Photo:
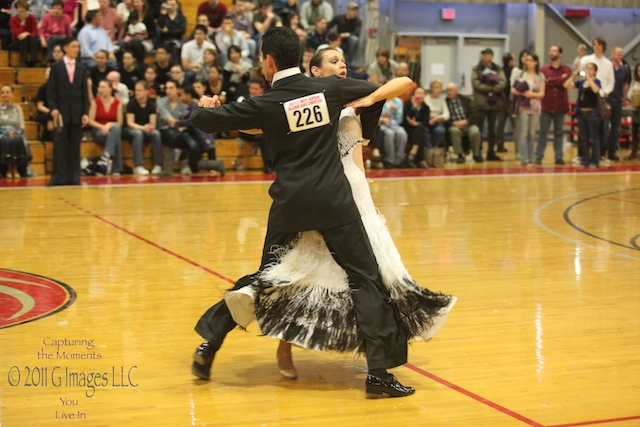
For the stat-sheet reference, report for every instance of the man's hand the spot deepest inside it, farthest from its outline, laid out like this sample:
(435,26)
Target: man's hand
(209,102)
(85,120)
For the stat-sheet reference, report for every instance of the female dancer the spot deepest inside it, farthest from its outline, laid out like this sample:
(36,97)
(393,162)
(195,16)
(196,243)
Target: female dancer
(305,298)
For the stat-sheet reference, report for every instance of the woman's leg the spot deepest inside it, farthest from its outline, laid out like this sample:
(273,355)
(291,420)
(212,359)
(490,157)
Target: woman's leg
(285,361)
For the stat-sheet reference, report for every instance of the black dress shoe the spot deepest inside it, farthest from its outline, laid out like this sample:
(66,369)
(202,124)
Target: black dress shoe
(202,360)
(377,388)
(493,157)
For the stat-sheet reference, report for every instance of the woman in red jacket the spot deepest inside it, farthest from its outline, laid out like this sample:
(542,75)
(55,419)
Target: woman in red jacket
(24,34)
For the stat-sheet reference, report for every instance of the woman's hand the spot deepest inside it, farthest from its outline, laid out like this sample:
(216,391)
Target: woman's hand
(366,101)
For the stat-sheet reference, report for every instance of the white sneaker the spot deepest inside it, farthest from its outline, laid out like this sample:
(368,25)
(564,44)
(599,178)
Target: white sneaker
(156,170)
(139,170)
(576,160)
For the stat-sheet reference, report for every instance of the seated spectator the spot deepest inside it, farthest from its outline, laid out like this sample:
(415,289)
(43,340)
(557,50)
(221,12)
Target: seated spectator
(24,29)
(111,21)
(71,8)
(462,123)
(439,115)
(199,142)
(211,32)
(163,64)
(178,75)
(200,88)
(5,28)
(93,38)
(403,70)
(106,120)
(215,11)
(394,136)
(210,60)
(124,8)
(37,8)
(333,41)
(98,72)
(120,90)
(416,122)
(349,27)
(257,86)
(55,27)
(293,22)
(264,19)
(634,96)
(318,35)
(236,74)
(129,71)
(14,152)
(215,84)
(192,55)
(150,76)
(148,13)
(57,53)
(305,60)
(229,36)
(172,23)
(43,112)
(170,110)
(137,39)
(243,23)
(382,69)
(290,8)
(141,119)
(311,9)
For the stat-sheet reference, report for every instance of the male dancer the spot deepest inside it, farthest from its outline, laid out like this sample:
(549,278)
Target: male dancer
(299,118)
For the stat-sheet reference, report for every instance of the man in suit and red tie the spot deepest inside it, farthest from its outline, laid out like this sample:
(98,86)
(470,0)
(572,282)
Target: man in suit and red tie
(68,98)
(299,117)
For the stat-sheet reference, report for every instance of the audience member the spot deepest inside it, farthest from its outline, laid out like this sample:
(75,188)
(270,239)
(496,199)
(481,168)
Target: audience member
(120,90)
(508,63)
(106,121)
(130,74)
(124,8)
(235,75)
(215,11)
(243,23)
(462,123)
(229,36)
(151,76)
(258,86)
(200,88)
(311,10)
(54,28)
(148,13)
(587,112)
(488,81)
(438,116)
(141,119)
(43,112)
(163,64)
(215,84)
(307,54)
(136,39)
(172,23)
(416,122)
(291,7)
(24,29)
(264,19)
(555,104)
(71,8)
(178,74)
(581,50)
(111,21)
(93,38)
(211,32)
(616,98)
(192,54)
(57,53)
(394,136)
(529,88)
(348,26)
(383,68)
(14,157)
(98,72)
(170,110)
(318,35)
(211,59)
(403,70)
(35,8)
(634,95)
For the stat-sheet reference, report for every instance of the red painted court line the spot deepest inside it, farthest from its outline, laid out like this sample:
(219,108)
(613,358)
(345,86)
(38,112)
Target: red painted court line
(474,396)
(590,423)
(149,242)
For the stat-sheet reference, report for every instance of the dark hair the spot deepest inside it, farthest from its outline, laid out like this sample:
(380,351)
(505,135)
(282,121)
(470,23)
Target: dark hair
(535,58)
(69,40)
(201,28)
(558,46)
(383,52)
(57,3)
(151,66)
(190,90)
(22,3)
(333,37)
(175,83)
(316,60)
(233,48)
(636,77)
(263,3)
(522,52)
(90,15)
(506,58)
(595,66)
(259,80)
(134,15)
(143,83)
(283,45)
(167,48)
(601,42)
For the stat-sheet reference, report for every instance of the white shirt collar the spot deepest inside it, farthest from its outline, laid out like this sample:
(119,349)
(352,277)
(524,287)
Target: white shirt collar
(287,72)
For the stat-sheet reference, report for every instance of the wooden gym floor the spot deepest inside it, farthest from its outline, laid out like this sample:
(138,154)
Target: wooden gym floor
(545,263)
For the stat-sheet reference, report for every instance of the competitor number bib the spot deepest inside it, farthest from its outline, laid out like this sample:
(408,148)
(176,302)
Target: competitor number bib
(308,112)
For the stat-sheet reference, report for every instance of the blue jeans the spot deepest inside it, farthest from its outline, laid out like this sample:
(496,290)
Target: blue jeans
(527,131)
(137,138)
(436,134)
(112,141)
(588,130)
(546,119)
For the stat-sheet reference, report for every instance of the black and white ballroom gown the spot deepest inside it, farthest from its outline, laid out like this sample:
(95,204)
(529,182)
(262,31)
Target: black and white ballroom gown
(304,298)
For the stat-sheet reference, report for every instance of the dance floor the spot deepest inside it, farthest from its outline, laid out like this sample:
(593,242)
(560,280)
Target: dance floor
(102,284)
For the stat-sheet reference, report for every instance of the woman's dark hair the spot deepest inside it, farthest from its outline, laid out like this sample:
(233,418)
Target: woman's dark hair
(506,58)
(190,90)
(535,58)
(522,53)
(316,60)
(283,45)
(233,48)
